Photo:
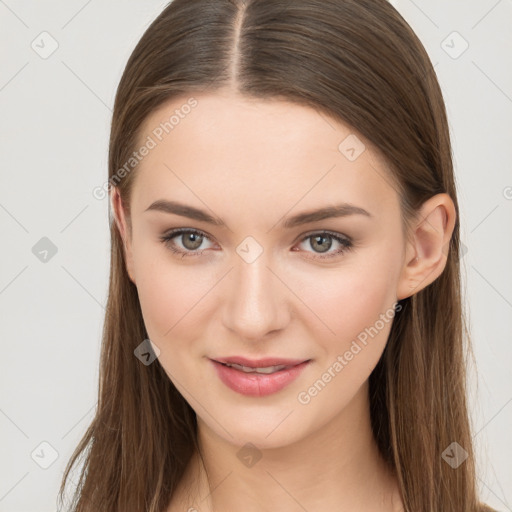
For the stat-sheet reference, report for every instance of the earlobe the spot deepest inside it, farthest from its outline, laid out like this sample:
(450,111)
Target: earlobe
(426,254)
(121,223)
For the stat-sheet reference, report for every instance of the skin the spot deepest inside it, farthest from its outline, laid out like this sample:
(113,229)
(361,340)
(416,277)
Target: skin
(253,163)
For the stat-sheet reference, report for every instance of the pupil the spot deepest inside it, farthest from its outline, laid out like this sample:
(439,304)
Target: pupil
(193,239)
(324,247)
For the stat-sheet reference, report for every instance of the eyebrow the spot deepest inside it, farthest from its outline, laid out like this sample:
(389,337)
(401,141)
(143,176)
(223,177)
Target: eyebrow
(340,210)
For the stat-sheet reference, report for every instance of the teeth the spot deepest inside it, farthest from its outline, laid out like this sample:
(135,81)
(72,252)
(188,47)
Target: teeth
(248,369)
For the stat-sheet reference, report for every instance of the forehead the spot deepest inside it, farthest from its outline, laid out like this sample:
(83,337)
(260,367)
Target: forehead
(255,153)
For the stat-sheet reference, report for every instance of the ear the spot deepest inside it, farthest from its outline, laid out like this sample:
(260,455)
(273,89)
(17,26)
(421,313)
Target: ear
(427,251)
(122,224)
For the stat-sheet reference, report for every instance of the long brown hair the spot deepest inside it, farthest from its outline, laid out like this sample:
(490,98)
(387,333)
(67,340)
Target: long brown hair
(357,61)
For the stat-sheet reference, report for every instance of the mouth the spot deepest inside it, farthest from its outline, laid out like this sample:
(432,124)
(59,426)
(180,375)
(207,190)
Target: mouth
(267,362)
(258,378)
(263,369)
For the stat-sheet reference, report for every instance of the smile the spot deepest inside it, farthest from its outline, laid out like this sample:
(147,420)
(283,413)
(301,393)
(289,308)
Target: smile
(257,380)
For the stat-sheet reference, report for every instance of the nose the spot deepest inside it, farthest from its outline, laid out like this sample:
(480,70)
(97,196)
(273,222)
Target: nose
(257,302)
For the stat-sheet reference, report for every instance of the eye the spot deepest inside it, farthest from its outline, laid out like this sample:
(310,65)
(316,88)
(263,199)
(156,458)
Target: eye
(322,242)
(190,239)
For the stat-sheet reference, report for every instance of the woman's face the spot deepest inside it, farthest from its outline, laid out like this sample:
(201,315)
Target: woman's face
(253,273)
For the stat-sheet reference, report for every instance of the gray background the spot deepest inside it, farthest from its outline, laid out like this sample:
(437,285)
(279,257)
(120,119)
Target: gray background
(55,115)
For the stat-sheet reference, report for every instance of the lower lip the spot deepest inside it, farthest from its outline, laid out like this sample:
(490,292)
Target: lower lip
(257,384)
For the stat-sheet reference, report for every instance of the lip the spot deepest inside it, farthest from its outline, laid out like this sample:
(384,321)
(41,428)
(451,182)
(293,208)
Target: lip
(258,385)
(259,363)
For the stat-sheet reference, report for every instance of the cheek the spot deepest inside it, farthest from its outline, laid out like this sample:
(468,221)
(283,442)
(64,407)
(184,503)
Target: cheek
(169,294)
(350,298)
(358,307)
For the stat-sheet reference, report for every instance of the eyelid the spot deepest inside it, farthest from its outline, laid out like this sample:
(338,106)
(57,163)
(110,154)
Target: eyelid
(169,235)
(334,234)
(345,241)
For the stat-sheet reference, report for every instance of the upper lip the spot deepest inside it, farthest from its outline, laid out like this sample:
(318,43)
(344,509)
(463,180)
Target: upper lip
(260,363)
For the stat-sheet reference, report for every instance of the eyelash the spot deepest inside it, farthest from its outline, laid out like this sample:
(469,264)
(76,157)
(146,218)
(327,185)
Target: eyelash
(166,239)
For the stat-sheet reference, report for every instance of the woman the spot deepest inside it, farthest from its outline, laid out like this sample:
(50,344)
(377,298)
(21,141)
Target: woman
(284,327)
